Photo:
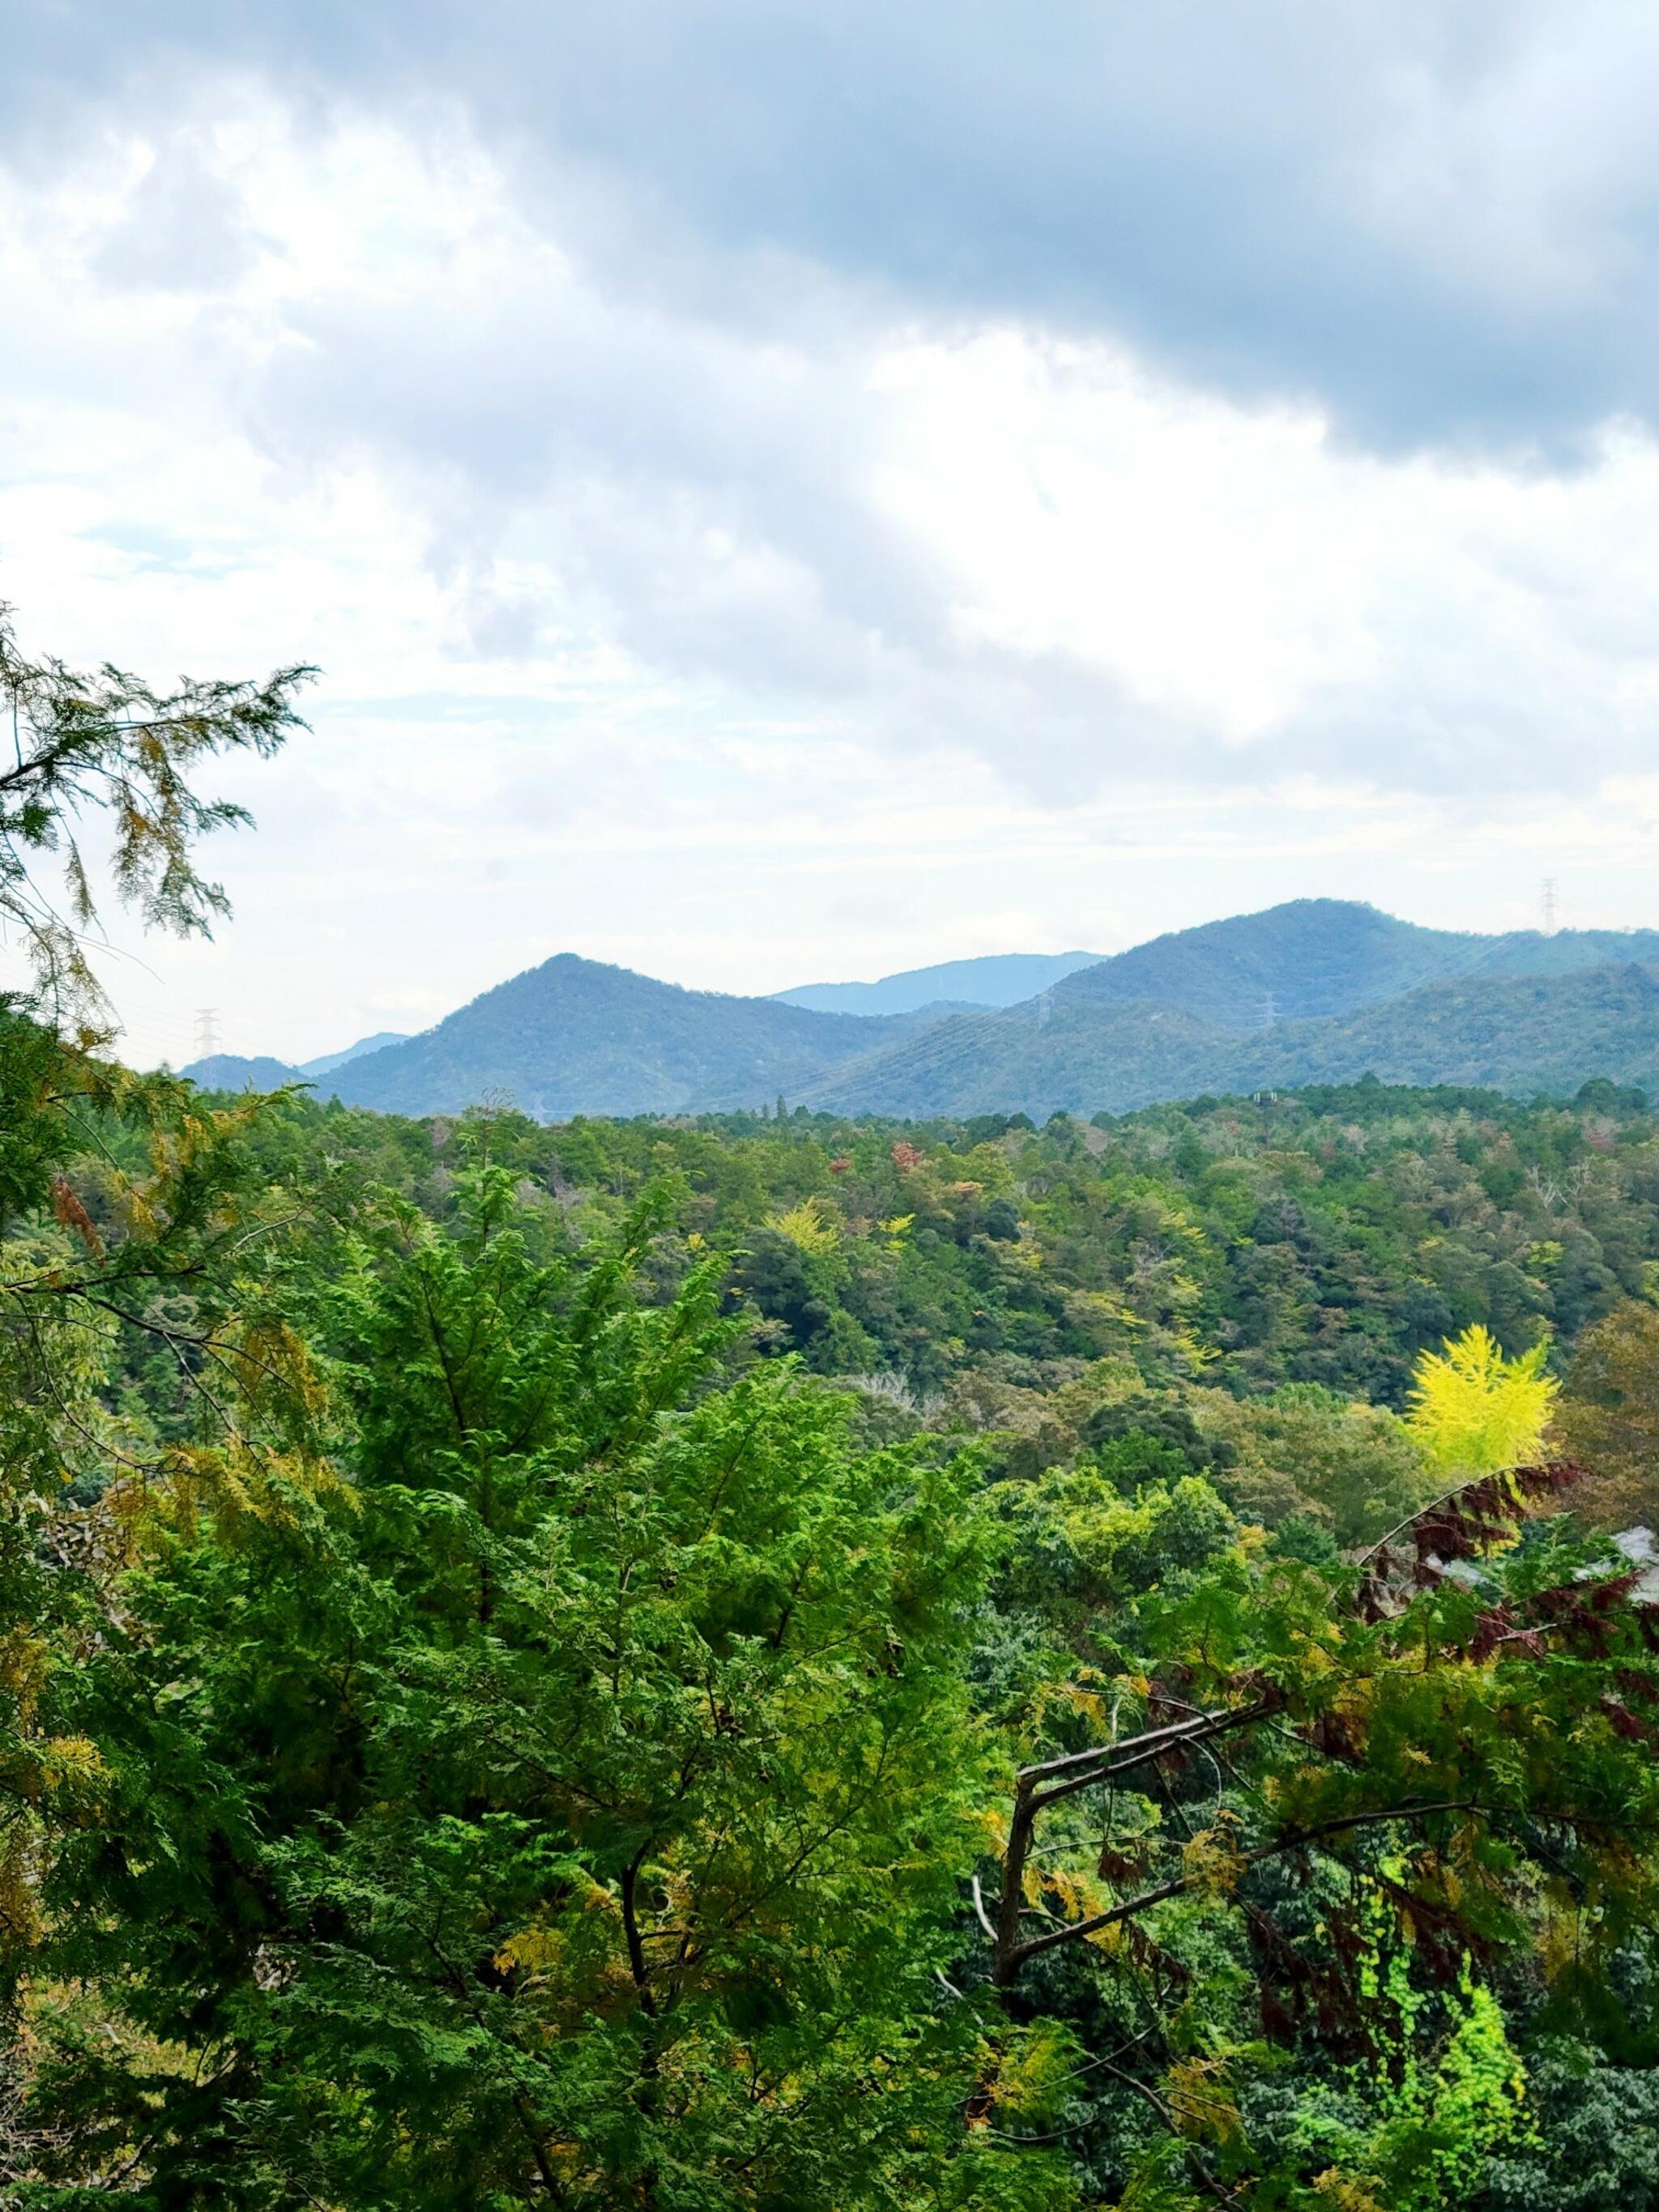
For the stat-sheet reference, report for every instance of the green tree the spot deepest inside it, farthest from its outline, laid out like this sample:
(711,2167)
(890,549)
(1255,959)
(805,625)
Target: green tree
(1245,1754)
(1303,1451)
(575,1812)
(128,1216)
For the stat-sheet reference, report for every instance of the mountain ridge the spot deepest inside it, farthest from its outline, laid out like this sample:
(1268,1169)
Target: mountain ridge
(575,1035)
(1519,1034)
(1305,991)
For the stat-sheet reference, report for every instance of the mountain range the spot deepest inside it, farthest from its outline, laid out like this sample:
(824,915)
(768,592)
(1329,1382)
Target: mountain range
(1315,990)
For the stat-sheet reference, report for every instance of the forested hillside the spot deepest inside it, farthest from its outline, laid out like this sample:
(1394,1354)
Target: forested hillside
(577,1036)
(1325,1237)
(1316,990)
(1314,957)
(1073,1052)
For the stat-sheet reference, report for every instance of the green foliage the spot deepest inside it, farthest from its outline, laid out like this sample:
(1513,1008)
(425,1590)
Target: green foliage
(518,1641)
(1349,992)
(1609,1414)
(1354,1468)
(1415,2127)
(578,1805)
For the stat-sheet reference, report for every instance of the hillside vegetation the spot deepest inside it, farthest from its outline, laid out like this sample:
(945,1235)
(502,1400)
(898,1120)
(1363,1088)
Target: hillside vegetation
(732,1662)
(576,1036)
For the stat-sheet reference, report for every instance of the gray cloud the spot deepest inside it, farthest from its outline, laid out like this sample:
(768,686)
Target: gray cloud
(1442,231)
(1442,225)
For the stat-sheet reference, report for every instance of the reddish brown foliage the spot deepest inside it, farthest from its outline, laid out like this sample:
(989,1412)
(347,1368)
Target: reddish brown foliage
(71,1214)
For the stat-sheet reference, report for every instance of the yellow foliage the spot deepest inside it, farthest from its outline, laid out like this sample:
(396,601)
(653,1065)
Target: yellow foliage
(1197,2095)
(238,1481)
(1347,2195)
(1211,1863)
(68,1759)
(1561,1938)
(993,1823)
(1027,2074)
(1088,1702)
(1078,1895)
(530,1951)
(813,1226)
(270,1359)
(24,1660)
(1474,1411)
(20,1893)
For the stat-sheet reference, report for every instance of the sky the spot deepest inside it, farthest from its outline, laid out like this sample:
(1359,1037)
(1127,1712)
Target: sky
(780,492)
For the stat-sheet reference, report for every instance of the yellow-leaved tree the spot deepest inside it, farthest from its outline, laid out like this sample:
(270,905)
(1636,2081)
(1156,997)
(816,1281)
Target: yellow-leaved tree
(813,1226)
(1474,1411)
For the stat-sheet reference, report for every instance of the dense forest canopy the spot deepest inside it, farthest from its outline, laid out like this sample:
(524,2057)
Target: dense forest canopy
(779,1660)
(773,1660)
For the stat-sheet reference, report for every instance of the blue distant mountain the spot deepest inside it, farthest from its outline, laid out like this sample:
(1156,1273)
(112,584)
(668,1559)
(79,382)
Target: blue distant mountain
(235,1071)
(999,979)
(330,1060)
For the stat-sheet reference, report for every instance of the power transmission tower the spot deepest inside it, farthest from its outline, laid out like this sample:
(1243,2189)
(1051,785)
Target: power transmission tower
(1548,900)
(207,1032)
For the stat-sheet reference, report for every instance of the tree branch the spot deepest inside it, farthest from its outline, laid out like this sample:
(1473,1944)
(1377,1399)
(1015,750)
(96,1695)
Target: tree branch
(1298,1839)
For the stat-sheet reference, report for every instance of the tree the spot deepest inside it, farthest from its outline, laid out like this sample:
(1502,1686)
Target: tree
(1609,1415)
(1461,1753)
(575,1813)
(1474,1411)
(109,742)
(155,1239)
(1354,1468)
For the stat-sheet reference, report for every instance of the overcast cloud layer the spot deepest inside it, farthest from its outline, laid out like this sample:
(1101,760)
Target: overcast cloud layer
(781,491)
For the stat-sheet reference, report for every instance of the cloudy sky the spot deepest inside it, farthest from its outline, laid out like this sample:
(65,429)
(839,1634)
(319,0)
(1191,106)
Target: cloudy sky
(781,490)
